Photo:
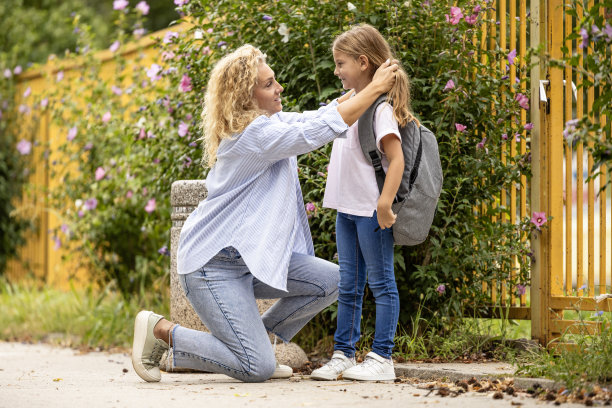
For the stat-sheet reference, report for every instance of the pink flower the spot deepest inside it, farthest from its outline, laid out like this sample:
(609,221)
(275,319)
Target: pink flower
(471,19)
(153,72)
(120,4)
(100,173)
(114,46)
(145,191)
(24,147)
(27,92)
(608,32)
(106,117)
(481,144)
(185,85)
(143,8)
(90,204)
(517,137)
(170,35)
(187,161)
(116,90)
(17,70)
(520,289)
(139,32)
(72,132)
(206,50)
(441,289)
(538,219)
(142,134)
(460,127)
(183,129)
(44,103)
(522,100)
(570,128)
(181,2)
(585,38)
(449,85)
(7,73)
(150,207)
(59,76)
(511,57)
(57,243)
(129,194)
(528,126)
(504,136)
(167,55)
(477,8)
(310,207)
(455,16)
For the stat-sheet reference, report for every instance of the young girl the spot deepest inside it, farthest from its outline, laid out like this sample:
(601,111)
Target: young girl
(363,224)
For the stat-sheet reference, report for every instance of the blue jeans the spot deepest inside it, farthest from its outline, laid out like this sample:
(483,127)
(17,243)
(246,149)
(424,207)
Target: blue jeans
(361,249)
(223,294)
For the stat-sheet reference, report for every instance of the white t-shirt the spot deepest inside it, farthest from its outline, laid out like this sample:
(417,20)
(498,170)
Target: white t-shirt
(351,181)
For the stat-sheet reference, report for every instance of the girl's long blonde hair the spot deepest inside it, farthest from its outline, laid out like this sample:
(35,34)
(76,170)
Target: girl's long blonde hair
(229,106)
(364,39)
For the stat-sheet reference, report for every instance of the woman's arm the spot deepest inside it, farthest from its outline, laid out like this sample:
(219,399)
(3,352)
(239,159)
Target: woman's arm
(392,147)
(383,80)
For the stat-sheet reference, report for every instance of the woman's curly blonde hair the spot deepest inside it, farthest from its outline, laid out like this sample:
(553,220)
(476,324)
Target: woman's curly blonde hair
(229,105)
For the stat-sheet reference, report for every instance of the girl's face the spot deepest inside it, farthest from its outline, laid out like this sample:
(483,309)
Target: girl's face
(267,91)
(353,72)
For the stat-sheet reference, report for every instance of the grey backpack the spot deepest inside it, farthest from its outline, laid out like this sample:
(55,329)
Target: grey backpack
(417,196)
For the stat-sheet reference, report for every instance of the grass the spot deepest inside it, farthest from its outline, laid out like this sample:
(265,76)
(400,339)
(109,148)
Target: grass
(83,318)
(581,367)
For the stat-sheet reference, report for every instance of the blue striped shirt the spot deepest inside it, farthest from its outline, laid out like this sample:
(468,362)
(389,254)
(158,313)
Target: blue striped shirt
(254,200)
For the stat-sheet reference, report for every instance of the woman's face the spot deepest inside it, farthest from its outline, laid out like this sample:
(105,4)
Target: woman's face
(267,91)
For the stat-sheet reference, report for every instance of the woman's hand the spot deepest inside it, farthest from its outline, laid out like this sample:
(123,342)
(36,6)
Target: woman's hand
(384,77)
(385,215)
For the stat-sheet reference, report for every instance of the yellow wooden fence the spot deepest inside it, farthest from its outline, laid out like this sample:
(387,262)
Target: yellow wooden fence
(39,257)
(564,259)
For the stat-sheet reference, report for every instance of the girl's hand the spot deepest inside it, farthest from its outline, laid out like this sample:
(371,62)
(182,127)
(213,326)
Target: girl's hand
(385,215)
(384,77)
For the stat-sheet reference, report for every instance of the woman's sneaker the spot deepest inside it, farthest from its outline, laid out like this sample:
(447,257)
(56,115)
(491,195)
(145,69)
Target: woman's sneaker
(282,371)
(147,350)
(373,368)
(338,364)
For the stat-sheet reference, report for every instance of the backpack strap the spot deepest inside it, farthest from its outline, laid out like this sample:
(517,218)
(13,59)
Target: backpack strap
(417,161)
(367,140)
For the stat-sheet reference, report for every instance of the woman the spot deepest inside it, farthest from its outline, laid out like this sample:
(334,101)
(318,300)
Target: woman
(250,238)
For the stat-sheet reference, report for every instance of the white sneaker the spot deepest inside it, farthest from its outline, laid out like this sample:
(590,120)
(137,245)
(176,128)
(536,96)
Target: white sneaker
(282,371)
(373,368)
(336,366)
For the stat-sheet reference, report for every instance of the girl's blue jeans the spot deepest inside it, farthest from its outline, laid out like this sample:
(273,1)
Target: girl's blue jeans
(365,255)
(223,294)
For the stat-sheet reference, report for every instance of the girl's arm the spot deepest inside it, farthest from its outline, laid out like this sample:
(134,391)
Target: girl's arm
(392,147)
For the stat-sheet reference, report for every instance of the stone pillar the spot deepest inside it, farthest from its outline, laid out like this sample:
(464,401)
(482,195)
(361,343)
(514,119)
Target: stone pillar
(185,197)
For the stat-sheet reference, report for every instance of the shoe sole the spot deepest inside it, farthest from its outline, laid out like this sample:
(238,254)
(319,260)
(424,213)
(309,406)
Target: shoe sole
(140,336)
(389,377)
(322,377)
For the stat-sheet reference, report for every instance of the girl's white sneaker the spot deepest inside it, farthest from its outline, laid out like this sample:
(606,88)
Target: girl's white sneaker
(336,366)
(373,368)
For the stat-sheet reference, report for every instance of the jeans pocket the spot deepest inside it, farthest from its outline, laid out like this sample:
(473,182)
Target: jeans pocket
(183,282)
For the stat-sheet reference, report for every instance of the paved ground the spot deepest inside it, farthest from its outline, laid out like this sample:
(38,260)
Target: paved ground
(46,376)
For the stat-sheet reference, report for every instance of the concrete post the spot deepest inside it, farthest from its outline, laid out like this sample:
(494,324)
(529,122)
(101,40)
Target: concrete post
(185,197)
